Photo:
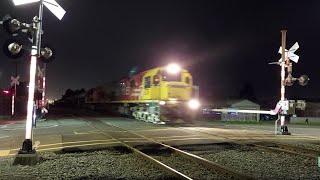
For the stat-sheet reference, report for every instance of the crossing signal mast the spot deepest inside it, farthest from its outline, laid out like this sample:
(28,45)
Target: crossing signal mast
(284,107)
(14,83)
(15,49)
(287,79)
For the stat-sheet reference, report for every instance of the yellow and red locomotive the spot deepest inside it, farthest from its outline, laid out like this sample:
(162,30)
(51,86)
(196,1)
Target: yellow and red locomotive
(158,95)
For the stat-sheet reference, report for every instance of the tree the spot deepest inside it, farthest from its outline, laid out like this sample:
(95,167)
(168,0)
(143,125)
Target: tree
(68,94)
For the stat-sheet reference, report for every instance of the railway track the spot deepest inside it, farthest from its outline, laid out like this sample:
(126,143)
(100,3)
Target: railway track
(270,146)
(291,149)
(152,153)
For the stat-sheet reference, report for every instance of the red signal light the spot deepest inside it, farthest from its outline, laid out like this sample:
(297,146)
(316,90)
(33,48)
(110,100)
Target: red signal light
(6,92)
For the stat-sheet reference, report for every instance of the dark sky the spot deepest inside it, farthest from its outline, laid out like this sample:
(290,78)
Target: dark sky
(225,44)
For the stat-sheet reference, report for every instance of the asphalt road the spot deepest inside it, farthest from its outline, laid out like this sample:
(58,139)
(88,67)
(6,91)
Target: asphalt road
(82,133)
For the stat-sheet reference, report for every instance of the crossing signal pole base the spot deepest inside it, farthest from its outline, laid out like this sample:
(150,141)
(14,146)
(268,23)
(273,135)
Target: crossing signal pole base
(284,131)
(26,155)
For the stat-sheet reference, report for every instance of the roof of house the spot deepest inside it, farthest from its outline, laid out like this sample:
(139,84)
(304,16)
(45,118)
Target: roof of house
(235,103)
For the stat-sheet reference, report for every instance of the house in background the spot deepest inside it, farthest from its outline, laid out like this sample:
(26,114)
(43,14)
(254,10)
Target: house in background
(312,109)
(309,115)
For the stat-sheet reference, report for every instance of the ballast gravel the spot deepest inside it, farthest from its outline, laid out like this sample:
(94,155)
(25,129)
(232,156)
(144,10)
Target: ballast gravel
(311,146)
(191,169)
(261,164)
(85,165)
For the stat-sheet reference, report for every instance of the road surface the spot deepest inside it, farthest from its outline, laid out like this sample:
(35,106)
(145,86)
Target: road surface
(79,132)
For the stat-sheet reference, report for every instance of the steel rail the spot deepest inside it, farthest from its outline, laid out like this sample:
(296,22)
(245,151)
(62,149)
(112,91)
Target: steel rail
(281,147)
(277,149)
(209,164)
(161,165)
(306,151)
(194,158)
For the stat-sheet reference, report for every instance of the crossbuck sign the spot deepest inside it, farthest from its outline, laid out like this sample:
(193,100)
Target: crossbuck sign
(290,53)
(52,5)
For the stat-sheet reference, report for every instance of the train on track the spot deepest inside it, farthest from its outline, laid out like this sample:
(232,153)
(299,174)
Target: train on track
(158,95)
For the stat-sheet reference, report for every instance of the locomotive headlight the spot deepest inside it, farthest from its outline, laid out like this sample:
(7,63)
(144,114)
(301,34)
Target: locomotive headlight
(194,104)
(173,68)
(162,103)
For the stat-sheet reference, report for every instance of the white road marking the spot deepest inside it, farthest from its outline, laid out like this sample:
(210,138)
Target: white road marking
(4,153)
(182,136)
(87,132)
(3,126)
(160,129)
(76,142)
(45,127)
(80,145)
(1,137)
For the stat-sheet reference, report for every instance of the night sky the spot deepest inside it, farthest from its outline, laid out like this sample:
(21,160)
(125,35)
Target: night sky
(225,44)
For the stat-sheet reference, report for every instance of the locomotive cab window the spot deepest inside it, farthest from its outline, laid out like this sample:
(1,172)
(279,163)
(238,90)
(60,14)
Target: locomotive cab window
(147,82)
(171,77)
(156,80)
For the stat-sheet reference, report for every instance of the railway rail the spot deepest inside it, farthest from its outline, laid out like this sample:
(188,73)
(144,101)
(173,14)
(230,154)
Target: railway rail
(209,165)
(271,146)
(291,149)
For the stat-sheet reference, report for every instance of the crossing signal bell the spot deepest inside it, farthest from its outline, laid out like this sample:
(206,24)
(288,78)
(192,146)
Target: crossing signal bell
(303,80)
(13,48)
(289,55)
(11,25)
(47,55)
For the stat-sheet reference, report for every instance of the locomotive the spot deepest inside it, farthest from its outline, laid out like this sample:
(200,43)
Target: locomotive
(158,95)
